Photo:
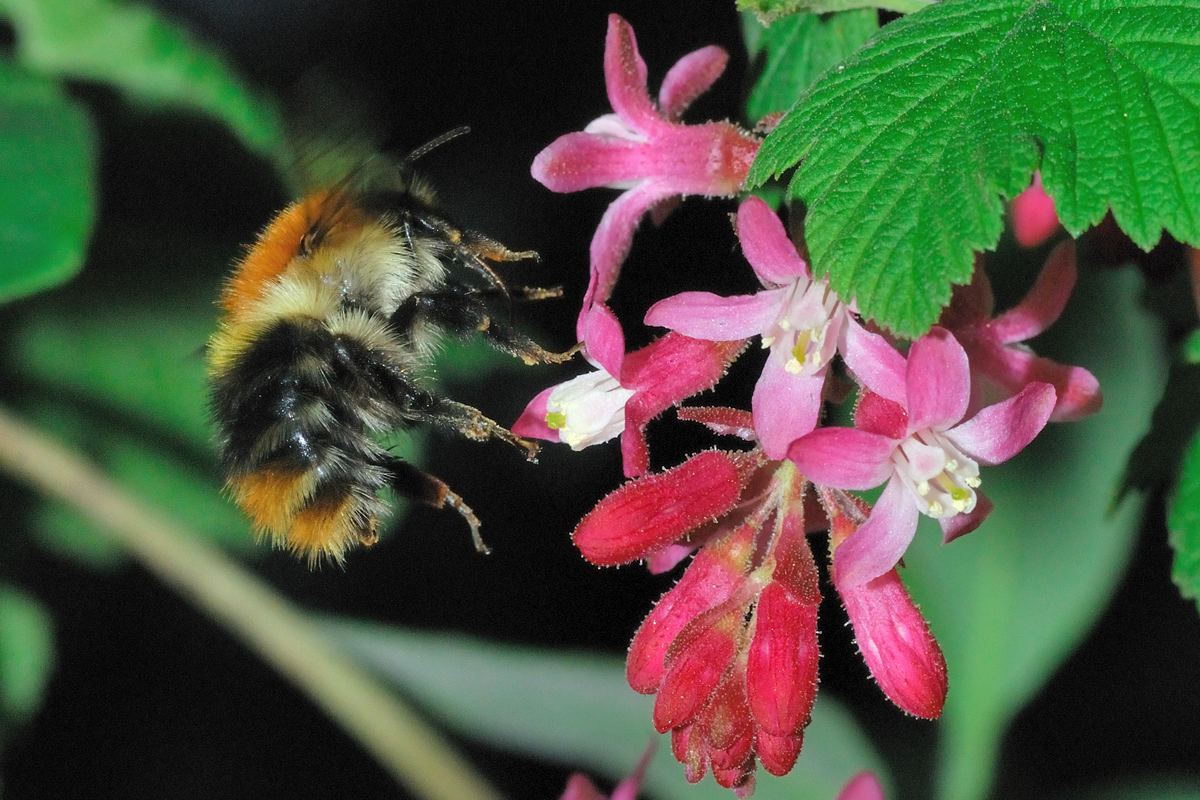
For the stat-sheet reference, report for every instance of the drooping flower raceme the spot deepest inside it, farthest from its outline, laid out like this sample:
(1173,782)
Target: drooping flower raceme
(917,441)
(731,651)
(646,151)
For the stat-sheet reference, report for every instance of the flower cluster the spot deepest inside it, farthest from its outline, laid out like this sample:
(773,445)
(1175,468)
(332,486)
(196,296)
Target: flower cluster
(731,651)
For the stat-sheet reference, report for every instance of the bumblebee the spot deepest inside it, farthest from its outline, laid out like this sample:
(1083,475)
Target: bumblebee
(328,322)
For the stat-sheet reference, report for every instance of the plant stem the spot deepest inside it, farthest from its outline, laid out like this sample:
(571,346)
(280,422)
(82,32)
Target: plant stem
(414,753)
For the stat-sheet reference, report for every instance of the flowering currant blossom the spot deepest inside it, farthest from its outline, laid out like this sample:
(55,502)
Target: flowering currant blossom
(911,433)
(799,319)
(863,786)
(893,637)
(1033,216)
(646,151)
(998,359)
(595,406)
(731,651)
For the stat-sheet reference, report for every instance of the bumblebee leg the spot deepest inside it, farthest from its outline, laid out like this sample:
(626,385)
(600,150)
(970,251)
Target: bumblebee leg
(464,310)
(472,424)
(408,481)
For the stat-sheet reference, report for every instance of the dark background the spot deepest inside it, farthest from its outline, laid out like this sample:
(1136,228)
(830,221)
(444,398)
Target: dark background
(149,699)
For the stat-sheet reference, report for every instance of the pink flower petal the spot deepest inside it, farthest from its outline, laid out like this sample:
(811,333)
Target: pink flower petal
(1077,390)
(873,361)
(580,787)
(767,246)
(844,458)
(785,406)
(1033,214)
(691,77)
(895,641)
(999,432)
(614,236)
(863,786)
(667,559)
(962,524)
(532,422)
(603,339)
(877,546)
(625,78)
(938,381)
(1045,301)
(702,315)
(580,160)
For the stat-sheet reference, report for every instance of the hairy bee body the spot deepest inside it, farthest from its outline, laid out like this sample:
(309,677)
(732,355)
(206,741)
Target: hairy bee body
(328,321)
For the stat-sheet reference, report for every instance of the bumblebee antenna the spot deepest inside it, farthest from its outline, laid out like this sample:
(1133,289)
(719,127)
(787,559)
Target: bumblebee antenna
(436,142)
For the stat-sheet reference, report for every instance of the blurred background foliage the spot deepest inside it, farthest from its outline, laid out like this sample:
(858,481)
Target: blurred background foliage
(141,146)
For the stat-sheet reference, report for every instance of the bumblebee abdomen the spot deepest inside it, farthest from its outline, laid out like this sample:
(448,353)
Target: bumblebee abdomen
(296,411)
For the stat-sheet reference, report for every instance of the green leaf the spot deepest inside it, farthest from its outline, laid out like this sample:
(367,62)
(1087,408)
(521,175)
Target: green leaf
(770,10)
(910,146)
(797,50)
(1183,525)
(1191,348)
(46,197)
(577,709)
(134,49)
(1010,601)
(26,653)
(146,362)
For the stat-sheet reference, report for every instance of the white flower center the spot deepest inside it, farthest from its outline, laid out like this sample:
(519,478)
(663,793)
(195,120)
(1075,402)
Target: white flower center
(942,479)
(805,335)
(588,410)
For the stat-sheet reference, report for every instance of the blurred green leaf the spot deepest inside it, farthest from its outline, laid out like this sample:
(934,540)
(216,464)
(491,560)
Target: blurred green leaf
(46,195)
(146,361)
(26,653)
(1158,457)
(134,49)
(796,50)
(1183,525)
(1192,348)
(578,710)
(1010,601)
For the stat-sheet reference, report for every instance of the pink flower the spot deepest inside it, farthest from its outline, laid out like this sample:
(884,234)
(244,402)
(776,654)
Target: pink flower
(911,434)
(863,786)
(894,638)
(579,787)
(998,359)
(596,407)
(731,651)
(1033,215)
(647,152)
(799,319)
